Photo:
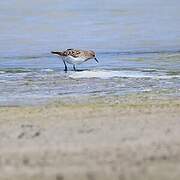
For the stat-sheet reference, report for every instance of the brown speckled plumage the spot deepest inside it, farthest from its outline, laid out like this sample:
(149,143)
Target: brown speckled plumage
(75,53)
(75,56)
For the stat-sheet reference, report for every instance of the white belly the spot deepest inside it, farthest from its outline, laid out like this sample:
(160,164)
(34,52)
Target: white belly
(72,60)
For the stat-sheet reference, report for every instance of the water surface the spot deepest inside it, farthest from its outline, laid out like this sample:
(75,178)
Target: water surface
(137,44)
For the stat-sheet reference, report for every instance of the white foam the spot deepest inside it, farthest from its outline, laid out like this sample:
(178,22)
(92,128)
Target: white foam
(106,74)
(166,77)
(47,70)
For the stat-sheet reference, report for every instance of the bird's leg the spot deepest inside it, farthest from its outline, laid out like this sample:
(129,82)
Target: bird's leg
(65,69)
(74,67)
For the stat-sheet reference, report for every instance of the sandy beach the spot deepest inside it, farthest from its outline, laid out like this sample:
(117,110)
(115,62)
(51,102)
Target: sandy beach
(119,138)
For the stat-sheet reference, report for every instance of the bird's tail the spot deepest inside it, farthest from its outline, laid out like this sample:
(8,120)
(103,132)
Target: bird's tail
(57,52)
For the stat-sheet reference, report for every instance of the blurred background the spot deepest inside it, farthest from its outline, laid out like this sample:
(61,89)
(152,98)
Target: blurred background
(37,27)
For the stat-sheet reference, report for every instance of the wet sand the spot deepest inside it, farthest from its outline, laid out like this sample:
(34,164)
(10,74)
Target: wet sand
(119,138)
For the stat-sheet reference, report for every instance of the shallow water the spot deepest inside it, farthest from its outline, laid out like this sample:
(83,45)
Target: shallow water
(137,44)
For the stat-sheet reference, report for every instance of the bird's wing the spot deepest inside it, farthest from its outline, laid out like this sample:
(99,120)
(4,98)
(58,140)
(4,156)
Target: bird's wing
(69,52)
(72,52)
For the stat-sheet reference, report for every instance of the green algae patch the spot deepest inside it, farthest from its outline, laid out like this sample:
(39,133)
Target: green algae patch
(15,70)
(125,102)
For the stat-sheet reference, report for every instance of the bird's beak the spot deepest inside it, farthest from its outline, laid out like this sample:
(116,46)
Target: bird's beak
(96,60)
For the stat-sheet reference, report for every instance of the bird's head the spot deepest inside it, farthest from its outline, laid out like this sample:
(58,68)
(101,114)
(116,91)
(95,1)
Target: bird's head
(92,55)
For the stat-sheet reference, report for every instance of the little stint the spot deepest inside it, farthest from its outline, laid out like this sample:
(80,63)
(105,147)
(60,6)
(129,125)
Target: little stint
(75,56)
